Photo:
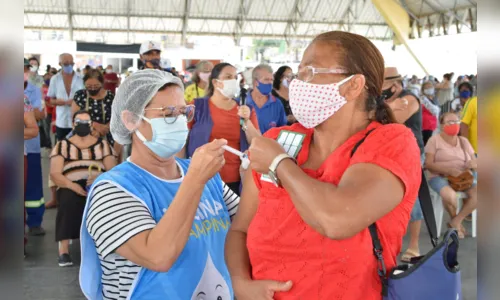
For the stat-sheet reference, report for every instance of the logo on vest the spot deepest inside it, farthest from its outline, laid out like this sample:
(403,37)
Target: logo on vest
(210,218)
(212,285)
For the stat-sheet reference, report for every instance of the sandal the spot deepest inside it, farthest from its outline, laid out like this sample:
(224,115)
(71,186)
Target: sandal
(408,255)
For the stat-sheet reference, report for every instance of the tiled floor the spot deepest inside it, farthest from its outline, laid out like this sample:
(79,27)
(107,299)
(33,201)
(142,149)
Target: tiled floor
(45,280)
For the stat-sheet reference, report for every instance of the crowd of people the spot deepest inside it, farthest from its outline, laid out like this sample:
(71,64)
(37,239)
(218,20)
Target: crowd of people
(145,172)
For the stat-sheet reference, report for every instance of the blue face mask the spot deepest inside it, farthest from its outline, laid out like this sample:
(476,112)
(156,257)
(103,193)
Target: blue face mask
(68,69)
(265,89)
(168,139)
(465,94)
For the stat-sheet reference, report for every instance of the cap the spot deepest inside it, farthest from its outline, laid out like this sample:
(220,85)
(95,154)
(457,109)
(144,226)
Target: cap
(148,46)
(26,62)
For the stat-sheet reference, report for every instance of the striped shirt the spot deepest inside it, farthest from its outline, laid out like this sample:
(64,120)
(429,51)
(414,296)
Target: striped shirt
(115,216)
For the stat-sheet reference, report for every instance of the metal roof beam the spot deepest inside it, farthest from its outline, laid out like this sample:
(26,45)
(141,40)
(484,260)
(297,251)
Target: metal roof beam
(241,20)
(194,17)
(187,9)
(175,32)
(70,19)
(291,25)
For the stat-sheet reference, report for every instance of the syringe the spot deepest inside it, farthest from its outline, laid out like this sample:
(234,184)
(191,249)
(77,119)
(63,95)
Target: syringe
(245,162)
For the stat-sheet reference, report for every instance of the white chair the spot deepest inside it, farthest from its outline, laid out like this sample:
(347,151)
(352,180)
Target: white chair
(437,203)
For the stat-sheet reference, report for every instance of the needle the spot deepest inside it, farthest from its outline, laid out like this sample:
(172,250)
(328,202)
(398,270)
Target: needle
(234,151)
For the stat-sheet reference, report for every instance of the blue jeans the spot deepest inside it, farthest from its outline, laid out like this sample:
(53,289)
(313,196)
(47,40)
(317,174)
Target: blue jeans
(416,212)
(438,183)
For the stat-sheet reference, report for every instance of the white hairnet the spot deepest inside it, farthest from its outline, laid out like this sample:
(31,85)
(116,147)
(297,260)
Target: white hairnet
(133,95)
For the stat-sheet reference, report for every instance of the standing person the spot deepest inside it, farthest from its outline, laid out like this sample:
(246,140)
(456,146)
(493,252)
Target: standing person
(468,128)
(407,110)
(200,81)
(430,111)
(111,80)
(306,236)
(150,53)
(270,112)
(445,92)
(154,226)
(62,89)
(45,139)
(70,161)
(30,131)
(100,69)
(413,85)
(97,101)
(33,198)
(282,79)
(34,78)
(218,116)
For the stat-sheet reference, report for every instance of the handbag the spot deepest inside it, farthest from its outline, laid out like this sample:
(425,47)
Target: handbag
(465,180)
(434,276)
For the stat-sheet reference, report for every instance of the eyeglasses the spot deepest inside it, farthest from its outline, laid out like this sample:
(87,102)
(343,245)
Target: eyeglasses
(93,87)
(452,122)
(171,113)
(307,73)
(290,77)
(68,64)
(80,121)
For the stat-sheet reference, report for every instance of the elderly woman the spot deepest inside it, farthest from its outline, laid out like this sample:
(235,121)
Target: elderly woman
(448,154)
(200,82)
(154,226)
(70,161)
(302,228)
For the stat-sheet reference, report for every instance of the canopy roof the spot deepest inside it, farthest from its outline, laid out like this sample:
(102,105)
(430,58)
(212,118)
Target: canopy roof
(129,20)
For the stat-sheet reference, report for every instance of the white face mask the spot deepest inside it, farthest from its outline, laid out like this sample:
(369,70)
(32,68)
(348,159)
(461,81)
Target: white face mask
(108,71)
(312,104)
(231,88)
(285,82)
(429,91)
(34,69)
(204,76)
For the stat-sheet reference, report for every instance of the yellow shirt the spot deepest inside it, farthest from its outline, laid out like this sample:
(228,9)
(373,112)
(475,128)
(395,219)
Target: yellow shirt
(492,121)
(469,117)
(192,92)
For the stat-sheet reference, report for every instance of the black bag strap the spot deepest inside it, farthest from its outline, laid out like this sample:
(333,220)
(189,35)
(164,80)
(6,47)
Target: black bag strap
(427,210)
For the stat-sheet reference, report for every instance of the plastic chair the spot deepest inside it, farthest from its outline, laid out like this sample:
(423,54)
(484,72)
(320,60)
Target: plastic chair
(437,203)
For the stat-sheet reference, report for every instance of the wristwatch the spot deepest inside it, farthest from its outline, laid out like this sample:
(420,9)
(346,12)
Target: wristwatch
(274,165)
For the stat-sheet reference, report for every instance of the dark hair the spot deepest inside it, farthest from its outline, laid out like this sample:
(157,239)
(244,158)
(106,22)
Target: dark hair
(277,76)
(360,56)
(80,112)
(215,75)
(35,59)
(448,76)
(466,84)
(93,73)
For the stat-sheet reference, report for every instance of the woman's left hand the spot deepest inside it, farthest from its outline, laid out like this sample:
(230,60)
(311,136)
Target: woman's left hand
(472,164)
(244,112)
(262,153)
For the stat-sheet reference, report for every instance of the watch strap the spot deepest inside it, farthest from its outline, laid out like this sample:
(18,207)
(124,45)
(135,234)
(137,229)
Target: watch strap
(277,160)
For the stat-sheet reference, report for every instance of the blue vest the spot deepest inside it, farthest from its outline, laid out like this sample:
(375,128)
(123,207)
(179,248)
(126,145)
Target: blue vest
(200,268)
(202,128)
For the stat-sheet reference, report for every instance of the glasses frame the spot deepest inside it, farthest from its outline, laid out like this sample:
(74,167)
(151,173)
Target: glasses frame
(312,70)
(174,109)
(80,121)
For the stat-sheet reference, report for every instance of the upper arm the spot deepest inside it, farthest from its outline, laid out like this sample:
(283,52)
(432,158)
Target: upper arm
(249,202)
(30,120)
(413,105)
(119,222)
(387,166)
(74,107)
(56,164)
(52,88)
(109,162)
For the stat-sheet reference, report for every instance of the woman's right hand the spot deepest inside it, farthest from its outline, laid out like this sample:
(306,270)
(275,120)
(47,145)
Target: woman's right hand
(78,189)
(207,160)
(259,289)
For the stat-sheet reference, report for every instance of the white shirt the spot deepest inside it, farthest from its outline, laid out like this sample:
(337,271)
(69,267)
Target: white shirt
(58,91)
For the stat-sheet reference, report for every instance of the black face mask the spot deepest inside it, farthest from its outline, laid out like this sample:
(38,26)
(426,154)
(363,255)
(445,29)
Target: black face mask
(94,92)
(388,93)
(82,130)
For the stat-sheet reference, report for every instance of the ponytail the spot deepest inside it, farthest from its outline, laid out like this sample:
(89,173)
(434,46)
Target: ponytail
(383,113)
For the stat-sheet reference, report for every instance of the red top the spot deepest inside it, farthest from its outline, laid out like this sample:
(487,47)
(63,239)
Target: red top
(227,126)
(283,247)
(429,122)
(110,82)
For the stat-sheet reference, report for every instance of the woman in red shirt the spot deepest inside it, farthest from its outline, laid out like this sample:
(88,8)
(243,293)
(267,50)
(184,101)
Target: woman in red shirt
(306,237)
